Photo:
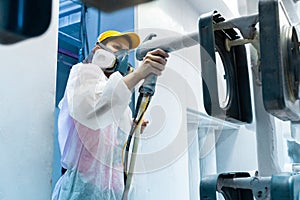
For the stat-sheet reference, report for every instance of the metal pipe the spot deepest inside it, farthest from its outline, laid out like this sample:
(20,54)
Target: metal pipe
(246,183)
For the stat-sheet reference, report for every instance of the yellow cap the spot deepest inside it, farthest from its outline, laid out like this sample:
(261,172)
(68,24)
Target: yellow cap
(135,39)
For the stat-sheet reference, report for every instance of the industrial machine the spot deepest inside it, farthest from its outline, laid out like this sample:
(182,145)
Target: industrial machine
(274,33)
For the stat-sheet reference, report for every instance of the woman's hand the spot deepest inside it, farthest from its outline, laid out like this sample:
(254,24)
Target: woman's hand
(153,63)
(144,125)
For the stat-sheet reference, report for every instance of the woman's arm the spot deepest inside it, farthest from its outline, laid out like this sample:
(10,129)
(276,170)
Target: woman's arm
(94,100)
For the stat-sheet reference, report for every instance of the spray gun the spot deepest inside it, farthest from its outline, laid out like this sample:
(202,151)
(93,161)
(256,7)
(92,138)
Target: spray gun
(166,44)
(148,87)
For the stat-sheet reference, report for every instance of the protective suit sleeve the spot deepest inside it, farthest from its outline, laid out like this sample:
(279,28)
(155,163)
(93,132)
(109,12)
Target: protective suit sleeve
(94,100)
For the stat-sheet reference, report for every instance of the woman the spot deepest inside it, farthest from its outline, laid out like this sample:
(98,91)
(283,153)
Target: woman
(95,118)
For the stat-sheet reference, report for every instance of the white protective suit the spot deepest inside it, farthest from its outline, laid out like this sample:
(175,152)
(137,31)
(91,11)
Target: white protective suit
(93,125)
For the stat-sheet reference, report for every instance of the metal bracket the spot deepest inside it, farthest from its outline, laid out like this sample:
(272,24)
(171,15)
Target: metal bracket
(260,186)
(240,186)
(210,184)
(245,24)
(238,106)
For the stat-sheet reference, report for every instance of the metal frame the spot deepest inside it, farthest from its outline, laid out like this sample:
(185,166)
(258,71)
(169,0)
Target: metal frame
(280,60)
(213,33)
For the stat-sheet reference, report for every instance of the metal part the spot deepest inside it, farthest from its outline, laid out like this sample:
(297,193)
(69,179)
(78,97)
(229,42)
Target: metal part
(293,55)
(237,42)
(210,184)
(240,186)
(212,42)
(245,24)
(260,186)
(279,67)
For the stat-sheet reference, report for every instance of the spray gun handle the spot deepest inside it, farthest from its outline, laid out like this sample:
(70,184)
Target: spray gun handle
(148,87)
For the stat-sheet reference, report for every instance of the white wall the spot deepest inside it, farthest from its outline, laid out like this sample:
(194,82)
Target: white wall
(27,88)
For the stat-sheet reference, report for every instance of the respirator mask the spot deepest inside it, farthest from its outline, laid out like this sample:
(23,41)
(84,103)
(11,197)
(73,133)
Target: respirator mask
(110,62)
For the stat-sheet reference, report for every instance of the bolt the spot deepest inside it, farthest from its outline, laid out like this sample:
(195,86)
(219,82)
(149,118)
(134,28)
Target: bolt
(237,42)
